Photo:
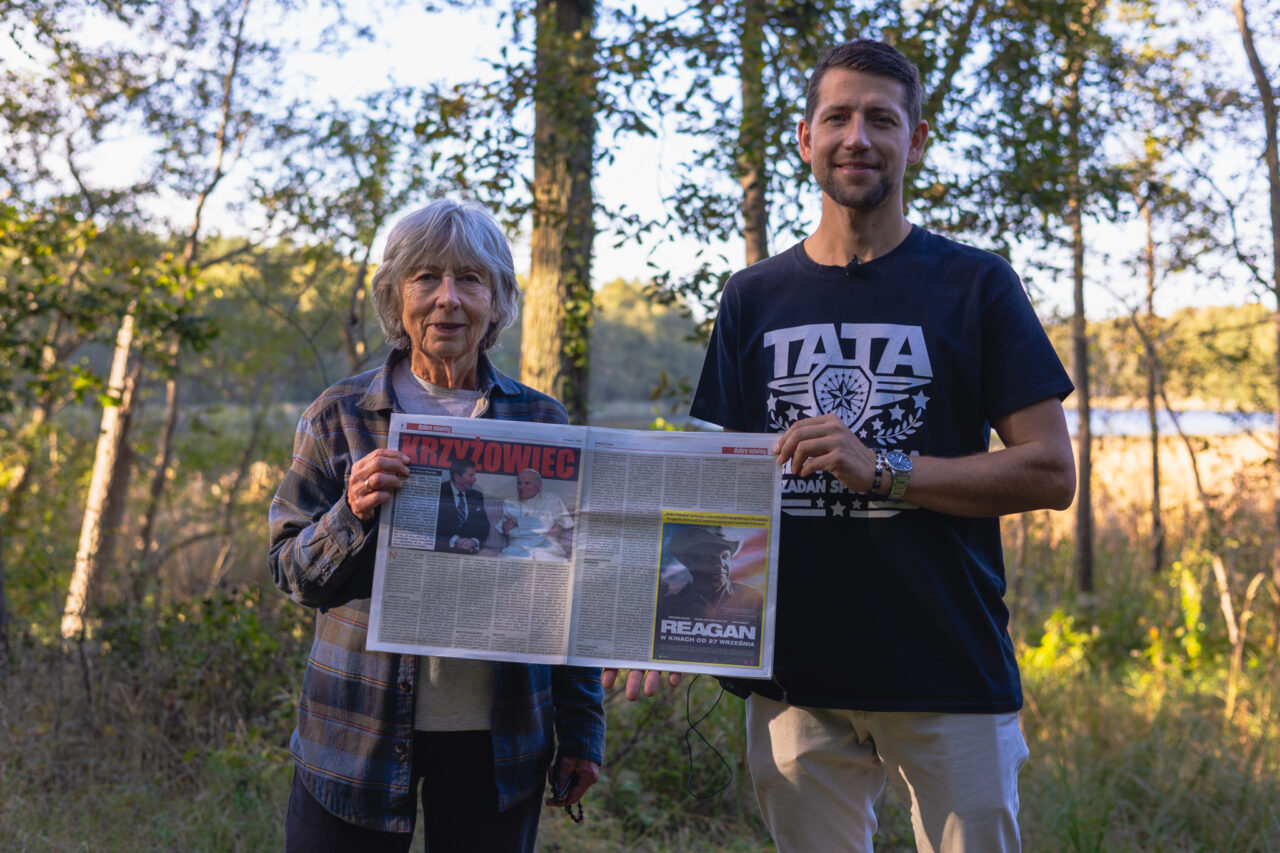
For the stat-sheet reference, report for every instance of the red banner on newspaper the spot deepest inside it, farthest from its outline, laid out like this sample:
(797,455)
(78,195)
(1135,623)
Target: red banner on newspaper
(491,457)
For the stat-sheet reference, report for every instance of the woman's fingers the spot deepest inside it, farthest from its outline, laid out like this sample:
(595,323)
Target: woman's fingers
(374,478)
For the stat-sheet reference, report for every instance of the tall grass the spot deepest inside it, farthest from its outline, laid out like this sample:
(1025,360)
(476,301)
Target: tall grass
(168,729)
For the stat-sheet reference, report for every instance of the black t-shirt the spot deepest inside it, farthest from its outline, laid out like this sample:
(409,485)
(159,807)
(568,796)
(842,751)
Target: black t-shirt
(881,605)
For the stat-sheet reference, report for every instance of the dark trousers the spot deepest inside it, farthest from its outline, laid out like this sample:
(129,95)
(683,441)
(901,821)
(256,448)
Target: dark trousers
(459,805)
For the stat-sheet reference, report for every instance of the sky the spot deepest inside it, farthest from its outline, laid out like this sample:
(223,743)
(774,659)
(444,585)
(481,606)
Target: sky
(449,45)
(643,169)
(462,45)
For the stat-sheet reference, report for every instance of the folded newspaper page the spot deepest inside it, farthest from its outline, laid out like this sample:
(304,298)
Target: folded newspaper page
(541,543)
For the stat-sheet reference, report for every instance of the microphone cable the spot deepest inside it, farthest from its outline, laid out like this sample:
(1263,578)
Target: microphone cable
(688,743)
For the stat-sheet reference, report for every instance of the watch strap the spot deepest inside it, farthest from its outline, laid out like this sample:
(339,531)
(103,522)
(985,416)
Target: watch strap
(900,478)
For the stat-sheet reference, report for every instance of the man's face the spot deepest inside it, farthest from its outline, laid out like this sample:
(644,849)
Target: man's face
(708,562)
(527,485)
(464,481)
(860,140)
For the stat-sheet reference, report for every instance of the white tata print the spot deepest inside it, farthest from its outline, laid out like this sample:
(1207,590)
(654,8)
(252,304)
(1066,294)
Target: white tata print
(872,375)
(875,376)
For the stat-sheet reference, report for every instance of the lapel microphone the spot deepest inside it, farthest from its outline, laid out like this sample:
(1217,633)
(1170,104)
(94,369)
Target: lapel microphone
(851,269)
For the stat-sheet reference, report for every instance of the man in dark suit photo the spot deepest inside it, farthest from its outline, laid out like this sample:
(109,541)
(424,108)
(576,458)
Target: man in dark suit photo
(462,525)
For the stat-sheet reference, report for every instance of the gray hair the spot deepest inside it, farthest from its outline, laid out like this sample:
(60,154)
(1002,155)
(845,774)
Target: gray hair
(453,234)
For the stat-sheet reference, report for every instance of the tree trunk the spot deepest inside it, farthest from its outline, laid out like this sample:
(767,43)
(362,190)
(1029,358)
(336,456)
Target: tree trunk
(353,323)
(4,613)
(146,567)
(753,176)
(32,438)
(1157,518)
(190,252)
(95,536)
(1084,430)
(1080,346)
(1272,155)
(557,305)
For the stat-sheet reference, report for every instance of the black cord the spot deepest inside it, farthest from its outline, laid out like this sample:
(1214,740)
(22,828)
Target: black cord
(688,745)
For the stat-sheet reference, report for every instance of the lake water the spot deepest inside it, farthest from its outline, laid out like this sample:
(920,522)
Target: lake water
(639,414)
(1134,422)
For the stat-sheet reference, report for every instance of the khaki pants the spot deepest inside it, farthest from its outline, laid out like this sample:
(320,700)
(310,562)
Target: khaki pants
(818,771)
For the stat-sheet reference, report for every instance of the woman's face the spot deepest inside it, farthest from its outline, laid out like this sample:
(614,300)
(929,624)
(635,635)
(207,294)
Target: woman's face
(446,313)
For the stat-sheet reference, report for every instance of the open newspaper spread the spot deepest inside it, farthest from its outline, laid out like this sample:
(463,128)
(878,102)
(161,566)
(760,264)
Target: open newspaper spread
(541,543)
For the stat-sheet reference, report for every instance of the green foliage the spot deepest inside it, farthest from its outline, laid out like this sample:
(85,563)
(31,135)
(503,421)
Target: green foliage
(661,779)
(39,544)
(639,345)
(642,349)
(1192,627)
(1125,764)
(168,728)
(224,657)
(1218,357)
(1062,649)
(1129,749)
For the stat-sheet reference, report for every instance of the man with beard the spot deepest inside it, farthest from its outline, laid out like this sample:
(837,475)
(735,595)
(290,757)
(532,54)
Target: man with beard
(883,354)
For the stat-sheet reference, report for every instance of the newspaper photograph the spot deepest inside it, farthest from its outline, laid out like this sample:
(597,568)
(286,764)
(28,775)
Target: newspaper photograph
(709,606)
(542,543)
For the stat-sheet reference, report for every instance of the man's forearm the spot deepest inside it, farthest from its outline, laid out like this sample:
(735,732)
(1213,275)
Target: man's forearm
(1035,470)
(1015,479)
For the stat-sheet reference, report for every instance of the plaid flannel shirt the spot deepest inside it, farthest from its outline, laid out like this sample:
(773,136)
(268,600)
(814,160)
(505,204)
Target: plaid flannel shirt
(354,742)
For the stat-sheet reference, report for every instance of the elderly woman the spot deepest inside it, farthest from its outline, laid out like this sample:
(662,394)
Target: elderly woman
(479,736)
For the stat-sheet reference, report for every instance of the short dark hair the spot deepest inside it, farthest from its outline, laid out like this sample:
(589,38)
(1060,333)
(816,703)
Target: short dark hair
(873,57)
(458,467)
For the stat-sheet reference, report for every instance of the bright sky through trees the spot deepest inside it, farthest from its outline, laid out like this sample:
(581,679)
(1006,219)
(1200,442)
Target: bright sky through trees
(412,45)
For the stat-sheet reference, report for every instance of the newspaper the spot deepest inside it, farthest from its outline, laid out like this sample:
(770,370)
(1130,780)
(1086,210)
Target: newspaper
(541,543)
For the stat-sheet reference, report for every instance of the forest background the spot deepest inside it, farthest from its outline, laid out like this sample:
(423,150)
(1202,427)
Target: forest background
(189,215)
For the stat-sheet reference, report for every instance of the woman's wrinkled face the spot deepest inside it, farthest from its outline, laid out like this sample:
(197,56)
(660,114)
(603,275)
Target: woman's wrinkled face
(446,312)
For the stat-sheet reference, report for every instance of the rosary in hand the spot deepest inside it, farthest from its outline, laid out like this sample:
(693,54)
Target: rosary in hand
(559,792)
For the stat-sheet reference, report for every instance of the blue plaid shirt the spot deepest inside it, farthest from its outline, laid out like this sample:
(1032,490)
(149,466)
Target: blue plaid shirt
(354,742)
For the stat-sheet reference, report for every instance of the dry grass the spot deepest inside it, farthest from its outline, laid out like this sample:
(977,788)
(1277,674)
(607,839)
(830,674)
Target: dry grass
(1233,469)
(176,739)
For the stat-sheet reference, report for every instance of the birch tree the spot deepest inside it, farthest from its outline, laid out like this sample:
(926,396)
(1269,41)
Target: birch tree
(201,108)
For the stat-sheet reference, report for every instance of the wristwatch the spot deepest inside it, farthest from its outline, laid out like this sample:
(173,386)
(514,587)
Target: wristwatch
(899,465)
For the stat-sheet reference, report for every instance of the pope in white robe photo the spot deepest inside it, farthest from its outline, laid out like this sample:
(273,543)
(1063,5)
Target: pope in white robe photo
(533,521)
